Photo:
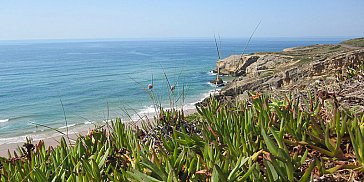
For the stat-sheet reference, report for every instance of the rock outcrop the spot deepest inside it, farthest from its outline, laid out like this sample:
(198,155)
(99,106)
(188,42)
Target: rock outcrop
(296,69)
(235,65)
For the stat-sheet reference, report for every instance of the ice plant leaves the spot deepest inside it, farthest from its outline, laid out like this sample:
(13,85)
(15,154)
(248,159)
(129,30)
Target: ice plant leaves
(261,139)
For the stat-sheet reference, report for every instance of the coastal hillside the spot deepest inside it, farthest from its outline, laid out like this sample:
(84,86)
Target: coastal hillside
(181,91)
(326,68)
(279,129)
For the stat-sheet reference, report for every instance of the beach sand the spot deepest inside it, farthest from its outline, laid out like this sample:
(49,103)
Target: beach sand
(53,139)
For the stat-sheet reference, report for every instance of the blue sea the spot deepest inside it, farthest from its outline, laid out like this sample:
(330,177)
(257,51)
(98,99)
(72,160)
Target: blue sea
(90,81)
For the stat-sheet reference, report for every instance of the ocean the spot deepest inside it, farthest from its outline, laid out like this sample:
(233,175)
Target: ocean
(91,81)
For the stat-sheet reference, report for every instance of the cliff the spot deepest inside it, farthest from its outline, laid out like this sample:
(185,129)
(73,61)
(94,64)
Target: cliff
(331,68)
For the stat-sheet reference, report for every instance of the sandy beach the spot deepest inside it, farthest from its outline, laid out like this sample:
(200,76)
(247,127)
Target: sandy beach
(52,138)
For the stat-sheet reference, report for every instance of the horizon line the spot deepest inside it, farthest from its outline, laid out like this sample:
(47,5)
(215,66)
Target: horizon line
(177,38)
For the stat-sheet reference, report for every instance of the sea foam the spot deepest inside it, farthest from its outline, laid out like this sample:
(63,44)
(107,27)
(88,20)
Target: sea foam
(68,126)
(4,120)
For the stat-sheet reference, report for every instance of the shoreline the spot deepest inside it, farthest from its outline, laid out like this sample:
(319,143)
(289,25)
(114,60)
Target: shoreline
(52,138)
(74,133)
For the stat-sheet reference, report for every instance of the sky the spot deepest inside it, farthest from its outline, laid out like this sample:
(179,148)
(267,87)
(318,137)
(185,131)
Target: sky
(107,19)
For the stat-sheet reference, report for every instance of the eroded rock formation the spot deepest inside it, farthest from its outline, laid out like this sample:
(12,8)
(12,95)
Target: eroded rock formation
(295,70)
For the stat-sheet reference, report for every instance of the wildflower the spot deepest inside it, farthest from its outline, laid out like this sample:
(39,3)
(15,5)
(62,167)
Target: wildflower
(256,96)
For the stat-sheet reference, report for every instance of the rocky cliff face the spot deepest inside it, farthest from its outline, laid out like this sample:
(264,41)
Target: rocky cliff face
(318,67)
(235,65)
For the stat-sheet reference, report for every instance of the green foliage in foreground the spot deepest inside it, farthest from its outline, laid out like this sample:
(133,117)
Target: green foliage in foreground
(358,42)
(258,140)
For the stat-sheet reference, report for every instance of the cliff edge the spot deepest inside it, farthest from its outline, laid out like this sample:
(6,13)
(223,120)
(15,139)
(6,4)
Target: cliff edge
(327,68)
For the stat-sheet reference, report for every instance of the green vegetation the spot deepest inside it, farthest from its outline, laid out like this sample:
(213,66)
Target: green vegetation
(267,73)
(359,42)
(304,60)
(261,139)
(352,71)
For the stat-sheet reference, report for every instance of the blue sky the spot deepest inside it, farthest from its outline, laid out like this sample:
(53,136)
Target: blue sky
(97,19)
